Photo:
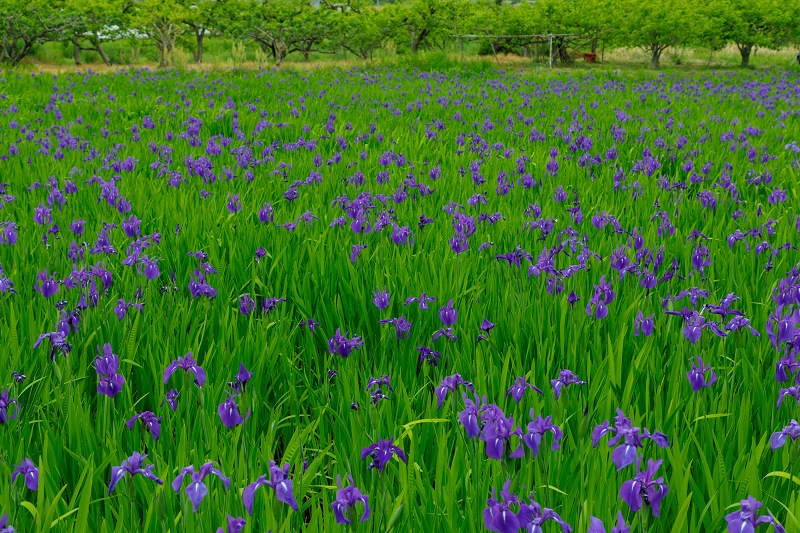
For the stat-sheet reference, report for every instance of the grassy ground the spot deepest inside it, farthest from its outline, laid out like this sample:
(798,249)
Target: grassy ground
(55,57)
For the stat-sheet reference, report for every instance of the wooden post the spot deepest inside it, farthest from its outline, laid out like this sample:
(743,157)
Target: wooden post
(491,41)
(461,40)
(550,38)
(603,51)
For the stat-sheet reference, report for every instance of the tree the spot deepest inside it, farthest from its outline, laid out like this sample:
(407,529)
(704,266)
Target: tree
(422,21)
(200,16)
(97,21)
(752,23)
(161,21)
(276,25)
(358,27)
(656,25)
(25,23)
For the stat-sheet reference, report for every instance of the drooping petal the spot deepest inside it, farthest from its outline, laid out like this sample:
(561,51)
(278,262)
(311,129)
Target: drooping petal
(248,495)
(117,473)
(196,490)
(284,493)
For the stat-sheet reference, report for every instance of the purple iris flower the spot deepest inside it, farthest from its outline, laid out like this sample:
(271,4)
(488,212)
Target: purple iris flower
(791,431)
(696,324)
(151,270)
(279,482)
(498,431)
(432,356)
(29,471)
(379,382)
(620,262)
(172,399)
(356,250)
(110,385)
(448,315)
(723,308)
(246,304)
(4,527)
(777,196)
(602,296)
(794,392)
(311,323)
(746,520)
(446,333)
(448,385)
(107,364)
(596,525)
(472,415)
(265,214)
(701,258)
(381,453)
(342,345)
(647,324)
(187,364)
(133,465)
(644,487)
(572,298)
(45,286)
(401,236)
(401,326)
(131,227)
(565,377)
(783,328)
(381,299)
(196,489)
(235,525)
(42,215)
(486,326)
(537,429)
(121,308)
(234,204)
(532,516)
(76,226)
(242,377)
(628,437)
(739,322)
(786,363)
(422,300)
(5,403)
(498,515)
(151,421)
(519,387)
(347,498)
(229,412)
(8,233)
(697,375)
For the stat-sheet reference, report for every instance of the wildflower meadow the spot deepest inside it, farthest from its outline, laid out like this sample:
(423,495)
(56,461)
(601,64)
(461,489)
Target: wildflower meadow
(393,300)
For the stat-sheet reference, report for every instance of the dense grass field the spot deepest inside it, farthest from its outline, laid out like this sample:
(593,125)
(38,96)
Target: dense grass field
(280,268)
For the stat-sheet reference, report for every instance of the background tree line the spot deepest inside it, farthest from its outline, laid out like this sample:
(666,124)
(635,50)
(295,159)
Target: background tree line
(361,27)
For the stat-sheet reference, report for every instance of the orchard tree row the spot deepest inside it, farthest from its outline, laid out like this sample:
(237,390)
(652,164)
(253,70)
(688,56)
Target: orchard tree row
(281,27)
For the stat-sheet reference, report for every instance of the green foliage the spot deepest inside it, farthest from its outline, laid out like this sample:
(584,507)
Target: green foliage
(363,28)
(719,450)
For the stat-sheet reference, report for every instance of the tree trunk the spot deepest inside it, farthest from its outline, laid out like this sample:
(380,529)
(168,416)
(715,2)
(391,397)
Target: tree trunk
(655,55)
(100,51)
(163,62)
(414,41)
(199,37)
(76,51)
(745,50)
(594,45)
